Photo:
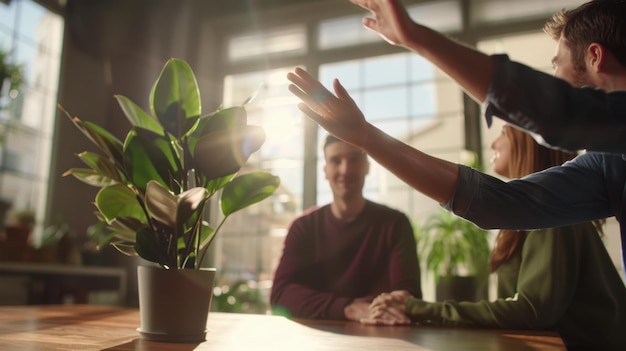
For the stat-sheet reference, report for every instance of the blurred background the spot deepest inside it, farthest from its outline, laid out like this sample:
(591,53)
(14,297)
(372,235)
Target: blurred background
(79,53)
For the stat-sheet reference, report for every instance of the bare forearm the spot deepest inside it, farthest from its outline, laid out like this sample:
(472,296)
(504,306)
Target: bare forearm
(471,69)
(433,177)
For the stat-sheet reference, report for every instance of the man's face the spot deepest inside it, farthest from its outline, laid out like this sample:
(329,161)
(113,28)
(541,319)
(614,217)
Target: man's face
(564,67)
(345,169)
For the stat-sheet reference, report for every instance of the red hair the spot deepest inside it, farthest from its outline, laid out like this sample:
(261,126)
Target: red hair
(526,157)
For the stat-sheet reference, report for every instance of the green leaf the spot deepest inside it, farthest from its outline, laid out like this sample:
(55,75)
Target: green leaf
(104,140)
(127,248)
(161,203)
(126,227)
(175,98)
(137,116)
(206,234)
(149,156)
(175,210)
(90,177)
(232,118)
(101,165)
(147,246)
(246,190)
(191,204)
(119,201)
(221,153)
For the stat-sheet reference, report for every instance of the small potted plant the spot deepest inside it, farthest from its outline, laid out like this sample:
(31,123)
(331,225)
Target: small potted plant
(11,73)
(154,188)
(18,234)
(447,244)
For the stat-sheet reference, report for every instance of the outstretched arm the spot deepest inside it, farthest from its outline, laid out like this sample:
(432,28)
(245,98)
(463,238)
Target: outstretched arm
(340,116)
(470,68)
(565,117)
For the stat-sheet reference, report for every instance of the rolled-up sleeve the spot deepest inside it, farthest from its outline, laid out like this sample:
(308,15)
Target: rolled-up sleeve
(545,199)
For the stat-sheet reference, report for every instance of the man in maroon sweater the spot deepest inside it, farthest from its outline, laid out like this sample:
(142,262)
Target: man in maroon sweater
(337,258)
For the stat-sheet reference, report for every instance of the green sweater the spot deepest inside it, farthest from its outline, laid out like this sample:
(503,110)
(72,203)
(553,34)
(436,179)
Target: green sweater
(563,280)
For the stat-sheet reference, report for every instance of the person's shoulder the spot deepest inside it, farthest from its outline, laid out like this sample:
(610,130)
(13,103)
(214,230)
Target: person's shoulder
(599,156)
(384,209)
(609,163)
(312,213)
(312,209)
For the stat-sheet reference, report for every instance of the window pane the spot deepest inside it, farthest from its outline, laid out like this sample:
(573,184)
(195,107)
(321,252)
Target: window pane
(348,72)
(385,103)
(423,100)
(420,69)
(30,26)
(443,16)
(252,238)
(351,29)
(385,70)
(493,11)
(33,36)
(287,41)
(7,18)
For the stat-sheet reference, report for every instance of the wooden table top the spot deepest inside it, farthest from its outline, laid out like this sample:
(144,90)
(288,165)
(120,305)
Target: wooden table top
(91,327)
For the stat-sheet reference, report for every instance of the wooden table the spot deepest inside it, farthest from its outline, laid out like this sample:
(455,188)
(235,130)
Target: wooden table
(90,327)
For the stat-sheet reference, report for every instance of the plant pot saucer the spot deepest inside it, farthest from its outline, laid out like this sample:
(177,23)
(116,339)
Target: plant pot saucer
(174,338)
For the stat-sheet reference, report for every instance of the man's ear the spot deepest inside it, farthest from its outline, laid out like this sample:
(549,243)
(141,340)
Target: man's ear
(596,57)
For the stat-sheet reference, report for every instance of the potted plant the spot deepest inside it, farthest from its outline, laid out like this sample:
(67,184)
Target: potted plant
(448,244)
(18,232)
(48,249)
(10,73)
(154,188)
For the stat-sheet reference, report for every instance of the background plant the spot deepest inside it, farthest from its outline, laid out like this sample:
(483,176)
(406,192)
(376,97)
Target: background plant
(10,71)
(447,243)
(154,186)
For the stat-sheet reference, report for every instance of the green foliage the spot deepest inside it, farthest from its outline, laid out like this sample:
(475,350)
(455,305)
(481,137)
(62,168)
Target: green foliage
(11,71)
(447,242)
(240,297)
(25,216)
(52,234)
(155,185)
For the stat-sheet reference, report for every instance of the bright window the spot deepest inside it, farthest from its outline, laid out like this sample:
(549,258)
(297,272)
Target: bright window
(32,36)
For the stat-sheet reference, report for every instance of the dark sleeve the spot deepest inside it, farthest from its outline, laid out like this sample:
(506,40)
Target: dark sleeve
(556,113)
(404,269)
(578,191)
(292,293)
(546,283)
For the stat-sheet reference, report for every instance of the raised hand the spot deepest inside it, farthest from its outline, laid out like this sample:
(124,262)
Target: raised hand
(338,114)
(389,19)
(470,68)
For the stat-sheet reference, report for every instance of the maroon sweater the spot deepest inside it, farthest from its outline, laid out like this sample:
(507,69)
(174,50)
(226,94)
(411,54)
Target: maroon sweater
(327,263)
